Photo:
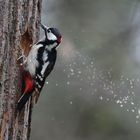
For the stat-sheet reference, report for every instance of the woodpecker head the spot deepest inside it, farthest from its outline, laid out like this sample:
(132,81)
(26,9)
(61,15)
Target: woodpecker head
(53,36)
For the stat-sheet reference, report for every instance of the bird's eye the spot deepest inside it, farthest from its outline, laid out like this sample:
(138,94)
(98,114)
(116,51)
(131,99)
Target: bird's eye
(49,31)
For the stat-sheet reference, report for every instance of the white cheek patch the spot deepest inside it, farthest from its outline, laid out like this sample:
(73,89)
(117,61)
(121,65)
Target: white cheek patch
(51,36)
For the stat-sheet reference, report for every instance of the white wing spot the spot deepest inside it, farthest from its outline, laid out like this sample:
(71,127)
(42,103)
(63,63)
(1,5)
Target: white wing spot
(44,68)
(38,85)
(45,56)
(41,79)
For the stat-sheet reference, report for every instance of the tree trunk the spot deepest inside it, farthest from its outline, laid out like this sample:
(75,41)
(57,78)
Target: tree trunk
(19,28)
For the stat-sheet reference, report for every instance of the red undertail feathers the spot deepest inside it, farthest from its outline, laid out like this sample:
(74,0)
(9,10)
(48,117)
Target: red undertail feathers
(28,87)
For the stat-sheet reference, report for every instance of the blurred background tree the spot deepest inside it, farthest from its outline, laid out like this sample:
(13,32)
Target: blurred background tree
(93,92)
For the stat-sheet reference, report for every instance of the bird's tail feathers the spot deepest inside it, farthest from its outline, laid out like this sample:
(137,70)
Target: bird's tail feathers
(22,101)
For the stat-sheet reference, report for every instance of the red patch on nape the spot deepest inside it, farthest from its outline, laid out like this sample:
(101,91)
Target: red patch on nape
(59,39)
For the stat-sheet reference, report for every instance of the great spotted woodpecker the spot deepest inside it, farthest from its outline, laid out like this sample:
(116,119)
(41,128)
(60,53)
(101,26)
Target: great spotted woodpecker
(40,62)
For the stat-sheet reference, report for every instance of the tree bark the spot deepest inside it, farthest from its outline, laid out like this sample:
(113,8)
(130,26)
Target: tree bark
(19,28)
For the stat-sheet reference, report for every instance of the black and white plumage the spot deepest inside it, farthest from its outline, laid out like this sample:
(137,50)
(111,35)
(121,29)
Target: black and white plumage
(40,63)
(46,59)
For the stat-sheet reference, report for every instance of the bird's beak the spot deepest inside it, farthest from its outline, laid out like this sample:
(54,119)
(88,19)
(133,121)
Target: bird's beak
(43,27)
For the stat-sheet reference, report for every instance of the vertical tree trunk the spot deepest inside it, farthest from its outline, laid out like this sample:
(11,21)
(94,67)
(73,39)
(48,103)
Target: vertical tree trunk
(19,28)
